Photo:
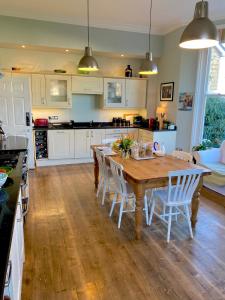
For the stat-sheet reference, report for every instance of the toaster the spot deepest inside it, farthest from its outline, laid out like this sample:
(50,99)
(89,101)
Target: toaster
(41,122)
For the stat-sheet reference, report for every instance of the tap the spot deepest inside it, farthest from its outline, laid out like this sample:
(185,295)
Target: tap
(91,123)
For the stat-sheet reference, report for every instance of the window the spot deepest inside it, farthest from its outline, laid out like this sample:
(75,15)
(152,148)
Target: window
(214,126)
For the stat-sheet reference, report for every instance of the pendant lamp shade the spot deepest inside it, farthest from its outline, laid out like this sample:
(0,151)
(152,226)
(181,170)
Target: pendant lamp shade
(149,67)
(200,33)
(88,63)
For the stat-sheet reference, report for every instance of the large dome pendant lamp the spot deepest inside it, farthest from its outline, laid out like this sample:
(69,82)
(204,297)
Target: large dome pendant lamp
(149,67)
(88,62)
(201,32)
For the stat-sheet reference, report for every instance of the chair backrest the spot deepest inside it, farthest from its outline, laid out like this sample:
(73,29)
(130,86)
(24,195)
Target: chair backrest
(101,162)
(117,172)
(186,182)
(183,155)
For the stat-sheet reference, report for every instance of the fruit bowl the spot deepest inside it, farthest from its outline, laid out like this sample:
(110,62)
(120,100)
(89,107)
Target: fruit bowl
(3,178)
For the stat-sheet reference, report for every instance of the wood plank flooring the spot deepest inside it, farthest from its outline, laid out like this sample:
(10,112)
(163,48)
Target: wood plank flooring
(75,251)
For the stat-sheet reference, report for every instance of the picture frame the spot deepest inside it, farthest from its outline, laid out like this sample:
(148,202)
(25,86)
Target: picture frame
(166,91)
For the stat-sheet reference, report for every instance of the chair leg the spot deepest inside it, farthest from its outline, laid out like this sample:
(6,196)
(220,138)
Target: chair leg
(99,187)
(189,221)
(113,204)
(169,223)
(151,212)
(104,192)
(146,209)
(121,212)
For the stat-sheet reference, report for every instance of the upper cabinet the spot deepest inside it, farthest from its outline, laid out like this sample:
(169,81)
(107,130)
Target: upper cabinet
(51,91)
(58,91)
(38,90)
(87,85)
(136,91)
(114,93)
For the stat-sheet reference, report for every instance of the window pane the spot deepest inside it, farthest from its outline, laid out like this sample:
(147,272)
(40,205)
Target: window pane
(214,128)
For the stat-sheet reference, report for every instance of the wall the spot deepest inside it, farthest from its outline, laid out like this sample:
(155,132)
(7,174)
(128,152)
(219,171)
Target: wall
(85,108)
(50,34)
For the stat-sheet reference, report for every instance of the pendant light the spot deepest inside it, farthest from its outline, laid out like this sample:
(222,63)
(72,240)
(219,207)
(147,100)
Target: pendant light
(88,62)
(201,32)
(149,67)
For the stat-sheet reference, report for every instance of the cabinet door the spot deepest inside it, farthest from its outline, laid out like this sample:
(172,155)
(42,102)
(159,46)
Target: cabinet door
(97,136)
(145,136)
(60,144)
(114,93)
(136,93)
(87,85)
(82,143)
(133,132)
(38,90)
(58,91)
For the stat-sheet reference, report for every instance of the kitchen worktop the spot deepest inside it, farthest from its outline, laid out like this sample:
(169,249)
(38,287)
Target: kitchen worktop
(14,143)
(94,125)
(9,194)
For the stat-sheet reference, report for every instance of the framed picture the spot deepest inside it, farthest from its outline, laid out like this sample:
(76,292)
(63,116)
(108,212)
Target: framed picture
(186,101)
(166,91)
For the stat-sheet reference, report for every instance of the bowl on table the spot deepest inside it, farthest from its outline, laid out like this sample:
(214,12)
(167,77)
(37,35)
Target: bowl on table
(3,178)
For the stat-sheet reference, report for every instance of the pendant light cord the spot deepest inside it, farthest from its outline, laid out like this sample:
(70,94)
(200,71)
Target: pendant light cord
(150,27)
(88,20)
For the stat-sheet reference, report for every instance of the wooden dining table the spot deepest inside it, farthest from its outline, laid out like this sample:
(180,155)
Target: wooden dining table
(152,173)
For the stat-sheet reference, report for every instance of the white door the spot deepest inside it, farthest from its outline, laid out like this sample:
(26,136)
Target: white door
(58,91)
(114,93)
(82,143)
(38,90)
(60,144)
(87,85)
(136,91)
(5,101)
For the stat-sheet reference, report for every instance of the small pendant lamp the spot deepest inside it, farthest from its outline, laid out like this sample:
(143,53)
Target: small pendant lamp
(149,67)
(201,32)
(88,63)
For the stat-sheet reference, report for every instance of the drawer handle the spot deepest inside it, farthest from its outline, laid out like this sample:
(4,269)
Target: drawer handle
(8,274)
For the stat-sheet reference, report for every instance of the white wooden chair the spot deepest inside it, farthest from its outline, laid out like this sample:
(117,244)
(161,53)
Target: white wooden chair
(182,155)
(123,192)
(105,175)
(176,198)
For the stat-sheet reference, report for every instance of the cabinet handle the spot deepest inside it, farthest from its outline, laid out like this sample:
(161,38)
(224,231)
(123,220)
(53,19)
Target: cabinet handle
(21,213)
(42,100)
(8,274)
(60,131)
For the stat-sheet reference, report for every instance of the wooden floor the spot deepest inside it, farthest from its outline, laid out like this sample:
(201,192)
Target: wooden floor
(75,251)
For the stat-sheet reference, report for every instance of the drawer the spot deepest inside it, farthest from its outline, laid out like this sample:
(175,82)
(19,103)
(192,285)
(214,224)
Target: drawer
(116,130)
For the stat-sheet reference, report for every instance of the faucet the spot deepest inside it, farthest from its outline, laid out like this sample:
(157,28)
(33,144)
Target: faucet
(91,123)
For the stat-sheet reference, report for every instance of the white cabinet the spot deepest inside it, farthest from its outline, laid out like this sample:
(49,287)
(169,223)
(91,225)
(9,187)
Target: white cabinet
(133,132)
(58,91)
(168,138)
(38,90)
(114,93)
(87,85)
(136,90)
(84,138)
(16,257)
(60,144)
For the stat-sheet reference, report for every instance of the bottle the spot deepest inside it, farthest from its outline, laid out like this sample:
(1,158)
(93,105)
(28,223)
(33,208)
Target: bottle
(128,71)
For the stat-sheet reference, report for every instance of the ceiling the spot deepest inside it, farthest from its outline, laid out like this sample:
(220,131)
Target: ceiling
(129,15)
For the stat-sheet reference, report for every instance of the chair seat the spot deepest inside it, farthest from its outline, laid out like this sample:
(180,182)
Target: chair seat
(162,195)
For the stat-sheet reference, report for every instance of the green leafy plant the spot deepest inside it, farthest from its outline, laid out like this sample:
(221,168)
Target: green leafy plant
(206,144)
(124,144)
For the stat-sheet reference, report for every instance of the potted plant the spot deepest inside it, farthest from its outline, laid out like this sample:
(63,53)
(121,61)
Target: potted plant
(124,145)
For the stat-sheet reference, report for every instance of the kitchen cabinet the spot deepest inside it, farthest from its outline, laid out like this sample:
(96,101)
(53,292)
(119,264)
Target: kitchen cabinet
(38,90)
(61,144)
(84,138)
(133,132)
(114,93)
(87,85)
(136,91)
(58,91)
(14,275)
(168,138)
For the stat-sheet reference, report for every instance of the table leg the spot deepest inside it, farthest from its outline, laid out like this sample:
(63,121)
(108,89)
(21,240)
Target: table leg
(195,203)
(139,193)
(96,170)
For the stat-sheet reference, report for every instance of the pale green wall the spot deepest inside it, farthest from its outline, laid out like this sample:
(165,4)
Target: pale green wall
(42,33)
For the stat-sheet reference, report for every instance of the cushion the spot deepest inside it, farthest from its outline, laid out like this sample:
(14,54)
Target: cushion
(222,152)
(218,173)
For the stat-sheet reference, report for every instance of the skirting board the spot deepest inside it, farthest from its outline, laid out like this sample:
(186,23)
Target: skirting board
(58,162)
(213,196)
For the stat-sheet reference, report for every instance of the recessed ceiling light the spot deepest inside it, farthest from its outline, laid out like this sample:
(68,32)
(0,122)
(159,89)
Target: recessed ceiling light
(122,55)
(23,46)
(67,50)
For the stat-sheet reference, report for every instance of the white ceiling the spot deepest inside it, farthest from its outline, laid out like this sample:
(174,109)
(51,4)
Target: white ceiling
(130,15)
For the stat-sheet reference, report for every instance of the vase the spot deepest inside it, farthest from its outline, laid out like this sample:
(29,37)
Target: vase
(125,154)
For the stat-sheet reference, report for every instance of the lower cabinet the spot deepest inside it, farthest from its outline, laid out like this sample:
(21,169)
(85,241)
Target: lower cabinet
(84,138)
(60,144)
(13,284)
